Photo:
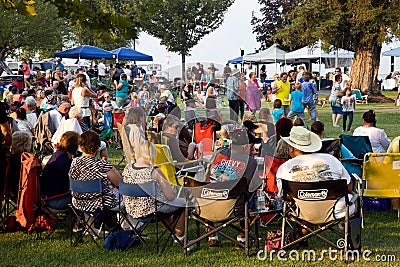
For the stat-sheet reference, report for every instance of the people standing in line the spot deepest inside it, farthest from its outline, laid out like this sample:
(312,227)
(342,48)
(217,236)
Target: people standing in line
(232,89)
(282,91)
(253,95)
(348,105)
(213,70)
(310,93)
(59,64)
(335,101)
(117,74)
(297,101)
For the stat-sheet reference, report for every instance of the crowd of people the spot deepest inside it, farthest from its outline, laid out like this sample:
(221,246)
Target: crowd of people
(77,152)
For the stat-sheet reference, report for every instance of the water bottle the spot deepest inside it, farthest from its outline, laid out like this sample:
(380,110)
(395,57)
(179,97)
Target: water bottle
(260,201)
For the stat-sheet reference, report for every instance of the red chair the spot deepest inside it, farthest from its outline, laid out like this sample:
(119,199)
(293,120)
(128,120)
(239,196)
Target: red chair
(204,136)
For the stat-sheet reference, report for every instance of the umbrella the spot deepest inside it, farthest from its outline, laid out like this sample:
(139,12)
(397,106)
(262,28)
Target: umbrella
(124,53)
(85,52)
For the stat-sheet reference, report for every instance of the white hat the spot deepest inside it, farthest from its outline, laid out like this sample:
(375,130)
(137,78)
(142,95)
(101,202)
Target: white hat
(303,139)
(235,71)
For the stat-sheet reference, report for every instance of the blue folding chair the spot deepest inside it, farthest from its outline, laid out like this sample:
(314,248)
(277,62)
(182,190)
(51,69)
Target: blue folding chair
(149,189)
(88,219)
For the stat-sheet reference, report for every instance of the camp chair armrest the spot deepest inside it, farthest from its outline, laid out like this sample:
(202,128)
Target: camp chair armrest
(184,163)
(353,161)
(45,199)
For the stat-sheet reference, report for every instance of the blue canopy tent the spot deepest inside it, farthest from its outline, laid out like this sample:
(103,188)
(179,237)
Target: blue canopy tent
(239,59)
(124,53)
(85,52)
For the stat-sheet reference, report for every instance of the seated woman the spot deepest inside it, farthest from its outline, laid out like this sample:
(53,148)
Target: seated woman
(379,140)
(76,124)
(133,133)
(143,171)
(170,137)
(21,142)
(55,179)
(89,167)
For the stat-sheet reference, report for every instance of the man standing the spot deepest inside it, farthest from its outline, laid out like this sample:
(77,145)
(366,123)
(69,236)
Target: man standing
(197,74)
(227,72)
(345,77)
(282,91)
(310,93)
(232,87)
(213,70)
(60,65)
(101,69)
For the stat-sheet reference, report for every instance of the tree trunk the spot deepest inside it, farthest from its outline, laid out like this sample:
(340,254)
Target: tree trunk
(183,66)
(364,71)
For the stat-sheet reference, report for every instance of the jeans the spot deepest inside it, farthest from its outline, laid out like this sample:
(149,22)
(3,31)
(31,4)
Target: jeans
(312,109)
(345,115)
(233,109)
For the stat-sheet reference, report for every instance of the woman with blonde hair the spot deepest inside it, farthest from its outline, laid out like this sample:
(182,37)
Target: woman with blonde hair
(80,97)
(144,171)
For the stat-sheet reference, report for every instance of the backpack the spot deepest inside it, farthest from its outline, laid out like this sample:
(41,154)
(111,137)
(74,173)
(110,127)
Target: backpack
(121,240)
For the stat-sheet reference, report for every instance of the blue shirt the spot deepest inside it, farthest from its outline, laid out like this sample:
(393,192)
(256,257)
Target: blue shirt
(308,88)
(297,101)
(277,113)
(124,91)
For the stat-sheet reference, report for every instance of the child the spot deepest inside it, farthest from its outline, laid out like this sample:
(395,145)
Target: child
(348,105)
(296,99)
(134,100)
(398,100)
(224,138)
(278,111)
(107,110)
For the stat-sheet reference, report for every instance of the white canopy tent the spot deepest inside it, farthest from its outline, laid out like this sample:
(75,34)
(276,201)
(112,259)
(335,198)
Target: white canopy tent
(273,54)
(332,58)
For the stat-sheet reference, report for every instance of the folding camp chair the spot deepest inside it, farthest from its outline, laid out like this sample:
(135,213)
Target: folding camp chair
(150,189)
(204,136)
(218,203)
(361,99)
(381,173)
(87,218)
(353,149)
(174,171)
(311,205)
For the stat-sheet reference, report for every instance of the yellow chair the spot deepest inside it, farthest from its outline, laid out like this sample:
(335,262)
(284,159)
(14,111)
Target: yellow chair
(381,174)
(166,164)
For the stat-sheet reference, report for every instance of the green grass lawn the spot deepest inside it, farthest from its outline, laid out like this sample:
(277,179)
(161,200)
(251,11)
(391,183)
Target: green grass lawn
(381,234)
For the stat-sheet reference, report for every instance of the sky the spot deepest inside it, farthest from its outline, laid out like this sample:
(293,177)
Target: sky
(219,46)
(225,42)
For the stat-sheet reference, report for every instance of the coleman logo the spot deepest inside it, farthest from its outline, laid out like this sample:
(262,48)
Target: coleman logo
(214,194)
(312,194)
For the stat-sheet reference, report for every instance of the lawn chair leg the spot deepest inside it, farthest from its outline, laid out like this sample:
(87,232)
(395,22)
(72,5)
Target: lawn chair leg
(185,240)
(246,229)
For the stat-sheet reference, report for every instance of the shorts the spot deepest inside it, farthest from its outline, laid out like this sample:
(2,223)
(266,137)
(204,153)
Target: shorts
(27,76)
(337,110)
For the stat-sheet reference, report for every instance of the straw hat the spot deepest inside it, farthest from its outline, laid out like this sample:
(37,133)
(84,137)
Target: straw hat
(303,139)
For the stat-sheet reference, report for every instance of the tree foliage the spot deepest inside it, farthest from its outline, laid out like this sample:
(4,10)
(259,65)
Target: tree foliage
(360,26)
(42,33)
(273,18)
(24,7)
(181,24)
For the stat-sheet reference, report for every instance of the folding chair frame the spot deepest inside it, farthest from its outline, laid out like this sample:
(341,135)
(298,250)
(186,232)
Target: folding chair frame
(149,190)
(289,208)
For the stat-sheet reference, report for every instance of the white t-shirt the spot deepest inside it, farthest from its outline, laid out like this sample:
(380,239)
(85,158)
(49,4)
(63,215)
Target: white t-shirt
(313,168)
(167,93)
(378,138)
(101,68)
